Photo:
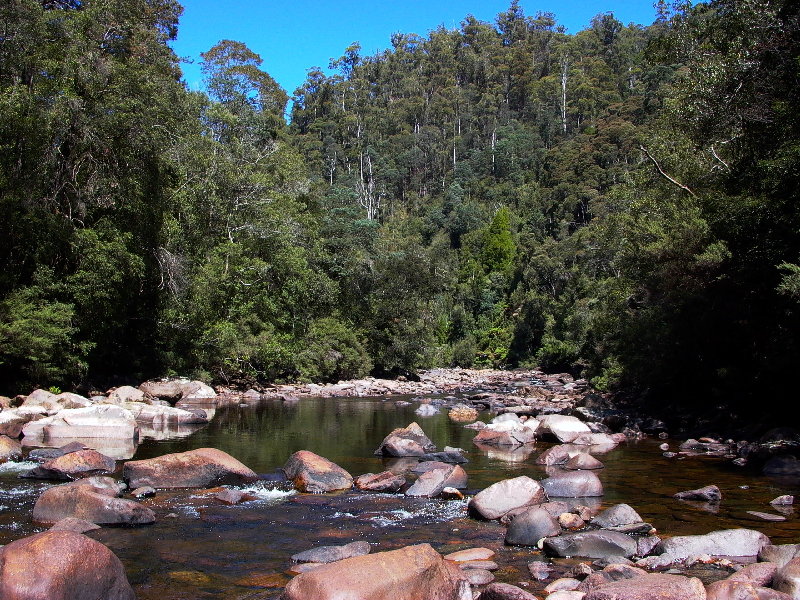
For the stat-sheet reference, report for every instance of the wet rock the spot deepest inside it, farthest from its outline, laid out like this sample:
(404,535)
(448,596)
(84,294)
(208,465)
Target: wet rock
(451,493)
(653,586)
(448,455)
(779,554)
(573,484)
(478,576)
(591,544)
(329,554)
(612,571)
(726,542)
(487,565)
(381,482)
(505,496)
(527,528)
(766,516)
(562,584)
(583,462)
(230,496)
(143,492)
(433,480)
(74,465)
(406,441)
(709,493)
(561,428)
(787,578)
(619,514)
(571,521)
(204,467)
(566,595)
(759,574)
(556,507)
(92,499)
(580,571)
(560,454)
(470,555)
(783,501)
(505,591)
(10,449)
(74,525)
(100,421)
(406,574)
(507,433)
(313,473)
(61,565)
(727,589)
(645,545)
(540,570)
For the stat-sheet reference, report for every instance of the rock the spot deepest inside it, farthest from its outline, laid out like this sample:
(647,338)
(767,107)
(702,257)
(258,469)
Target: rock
(159,416)
(529,527)
(470,555)
(566,595)
(463,413)
(591,544)
(653,586)
(313,473)
(645,545)
(560,454)
(571,521)
(61,565)
(787,578)
(75,525)
(409,573)
(99,421)
(783,466)
(595,439)
(583,462)
(561,428)
(427,410)
(10,449)
(573,484)
(614,571)
(197,389)
(74,465)
(166,389)
(540,570)
(758,574)
(406,441)
(709,493)
(619,514)
(92,500)
(381,482)
(505,591)
(231,496)
(783,501)
(204,467)
(329,554)
(556,507)
(726,589)
(766,516)
(448,455)
(726,542)
(504,496)
(564,583)
(432,481)
(780,554)
(506,433)
(125,393)
(143,492)
(478,576)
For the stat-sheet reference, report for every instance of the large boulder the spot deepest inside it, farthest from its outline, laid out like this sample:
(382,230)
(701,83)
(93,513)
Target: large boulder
(591,544)
(653,586)
(312,473)
(561,428)
(124,394)
(406,441)
(157,415)
(726,542)
(527,528)
(380,482)
(165,389)
(94,500)
(573,484)
(505,496)
(508,433)
(61,565)
(204,467)
(100,421)
(409,573)
(438,476)
(74,465)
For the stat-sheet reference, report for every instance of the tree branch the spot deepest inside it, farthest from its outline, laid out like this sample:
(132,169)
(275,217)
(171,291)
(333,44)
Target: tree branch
(663,174)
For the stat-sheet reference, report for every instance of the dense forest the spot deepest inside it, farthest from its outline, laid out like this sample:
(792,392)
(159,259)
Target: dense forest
(619,203)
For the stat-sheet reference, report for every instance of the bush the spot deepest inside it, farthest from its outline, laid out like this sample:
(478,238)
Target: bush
(332,351)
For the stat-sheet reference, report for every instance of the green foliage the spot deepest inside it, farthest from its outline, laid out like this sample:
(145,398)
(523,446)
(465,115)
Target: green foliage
(332,351)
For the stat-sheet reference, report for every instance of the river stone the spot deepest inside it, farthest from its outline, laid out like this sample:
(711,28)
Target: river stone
(619,514)
(573,484)
(487,565)
(779,554)
(204,467)
(409,573)
(169,389)
(591,544)
(74,465)
(96,504)
(427,410)
(709,493)
(406,441)
(563,583)
(380,482)
(766,516)
(528,528)
(728,589)
(726,542)
(61,565)
(157,415)
(505,591)
(595,439)
(560,454)
(329,554)
(566,595)
(504,496)
(758,574)
(10,449)
(75,525)
(786,500)
(787,578)
(470,555)
(478,576)
(540,570)
(583,462)
(562,428)
(431,482)
(571,521)
(653,586)
(99,421)
(312,473)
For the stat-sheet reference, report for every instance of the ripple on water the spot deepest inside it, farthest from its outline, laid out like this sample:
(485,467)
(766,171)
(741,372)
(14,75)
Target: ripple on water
(428,512)
(265,492)
(17,467)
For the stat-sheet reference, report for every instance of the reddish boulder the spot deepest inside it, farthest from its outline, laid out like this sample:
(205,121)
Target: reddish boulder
(10,449)
(409,573)
(505,496)
(573,484)
(96,503)
(406,441)
(313,473)
(433,480)
(655,586)
(74,465)
(61,565)
(505,591)
(204,467)
(380,482)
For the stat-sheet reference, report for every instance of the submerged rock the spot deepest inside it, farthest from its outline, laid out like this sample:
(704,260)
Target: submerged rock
(61,565)
(709,493)
(409,573)
(313,473)
(204,467)
(329,554)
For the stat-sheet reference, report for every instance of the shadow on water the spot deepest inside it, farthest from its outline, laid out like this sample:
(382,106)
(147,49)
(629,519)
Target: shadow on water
(199,548)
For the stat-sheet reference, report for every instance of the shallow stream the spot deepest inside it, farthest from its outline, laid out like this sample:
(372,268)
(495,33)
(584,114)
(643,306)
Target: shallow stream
(200,548)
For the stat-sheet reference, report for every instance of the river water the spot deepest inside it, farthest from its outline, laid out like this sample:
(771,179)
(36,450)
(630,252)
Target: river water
(199,548)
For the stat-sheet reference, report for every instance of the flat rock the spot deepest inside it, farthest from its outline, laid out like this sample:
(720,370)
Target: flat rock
(74,465)
(92,500)
(380,482)
(726,542)
(504,496)
(573,484)
(470,554)
(654,586)
(591,544)
(99,421)
(505,591)
(478,576)
(329,554)
(204,467)
(766,516)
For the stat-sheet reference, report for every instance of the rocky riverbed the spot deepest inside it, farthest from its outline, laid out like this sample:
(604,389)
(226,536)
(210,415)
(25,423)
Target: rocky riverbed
(520,469)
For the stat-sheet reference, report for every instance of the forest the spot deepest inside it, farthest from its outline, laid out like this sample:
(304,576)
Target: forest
(619,204)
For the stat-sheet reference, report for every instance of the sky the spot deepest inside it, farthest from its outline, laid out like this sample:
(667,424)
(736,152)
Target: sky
(293,36)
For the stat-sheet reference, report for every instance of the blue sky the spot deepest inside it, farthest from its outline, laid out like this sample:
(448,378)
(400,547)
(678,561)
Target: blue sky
(293,36)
